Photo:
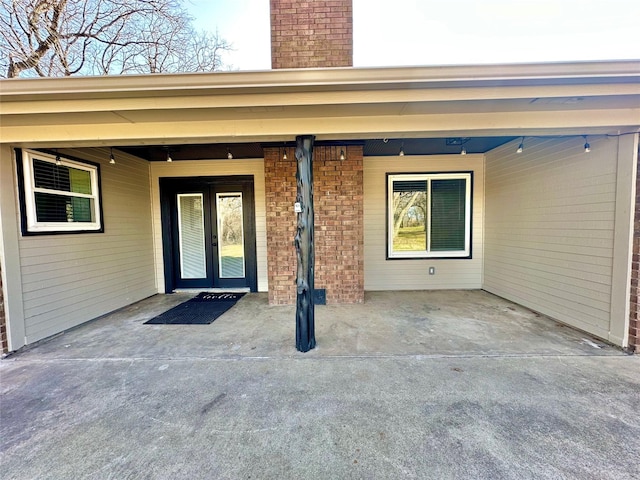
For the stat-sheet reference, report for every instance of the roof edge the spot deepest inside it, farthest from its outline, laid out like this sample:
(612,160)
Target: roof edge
(345,77)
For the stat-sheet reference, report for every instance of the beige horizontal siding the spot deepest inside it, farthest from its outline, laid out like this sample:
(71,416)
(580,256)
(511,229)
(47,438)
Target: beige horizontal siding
(396,274)
(549,228)
(72,278)
(200,168)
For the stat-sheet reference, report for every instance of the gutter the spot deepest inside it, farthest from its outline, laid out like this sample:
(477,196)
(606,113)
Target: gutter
(324,79)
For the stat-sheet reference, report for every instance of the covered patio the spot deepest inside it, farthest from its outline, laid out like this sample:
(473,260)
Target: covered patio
(440,384)
(548,215)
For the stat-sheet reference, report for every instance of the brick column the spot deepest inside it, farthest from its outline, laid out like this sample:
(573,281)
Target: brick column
(634,320)
(339,234)
(311,34)
(339,227)
(280,188)
(4,344)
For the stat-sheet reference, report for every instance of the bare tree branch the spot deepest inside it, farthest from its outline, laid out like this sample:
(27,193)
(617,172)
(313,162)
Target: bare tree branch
(102,37)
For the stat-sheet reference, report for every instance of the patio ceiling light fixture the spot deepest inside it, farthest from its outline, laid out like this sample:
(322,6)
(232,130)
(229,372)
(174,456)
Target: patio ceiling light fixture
(401,153)
(284,155)
(342,155)
(58,161)
(586,146)
(229,154)
(458,141)
(112,159)
(169,159)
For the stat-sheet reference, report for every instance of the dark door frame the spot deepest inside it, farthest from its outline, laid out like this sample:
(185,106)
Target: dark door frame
(171,186)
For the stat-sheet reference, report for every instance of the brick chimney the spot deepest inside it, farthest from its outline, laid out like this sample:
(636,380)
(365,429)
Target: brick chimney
(311,34)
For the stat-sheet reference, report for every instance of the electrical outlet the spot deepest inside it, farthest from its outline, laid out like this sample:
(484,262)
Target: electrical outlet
(432,270)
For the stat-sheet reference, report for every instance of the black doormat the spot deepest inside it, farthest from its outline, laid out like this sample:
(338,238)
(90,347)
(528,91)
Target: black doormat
(202,309)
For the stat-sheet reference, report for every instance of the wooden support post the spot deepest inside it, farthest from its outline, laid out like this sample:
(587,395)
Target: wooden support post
(305,329)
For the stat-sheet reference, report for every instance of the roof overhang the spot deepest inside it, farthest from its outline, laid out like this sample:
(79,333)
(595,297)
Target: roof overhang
(334,104)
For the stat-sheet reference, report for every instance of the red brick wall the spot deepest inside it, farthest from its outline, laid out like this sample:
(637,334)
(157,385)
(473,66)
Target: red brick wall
(314,33)
(339,228)
(634,321)
(280,187)
(4,345)
(339,224)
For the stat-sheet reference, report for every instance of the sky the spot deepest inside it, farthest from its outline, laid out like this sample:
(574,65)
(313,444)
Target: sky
(446,32)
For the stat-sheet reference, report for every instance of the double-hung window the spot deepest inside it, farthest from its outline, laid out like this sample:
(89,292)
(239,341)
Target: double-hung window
(60,194)
(429,215)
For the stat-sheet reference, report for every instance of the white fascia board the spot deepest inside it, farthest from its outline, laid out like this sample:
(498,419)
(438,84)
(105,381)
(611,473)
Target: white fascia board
(325,79)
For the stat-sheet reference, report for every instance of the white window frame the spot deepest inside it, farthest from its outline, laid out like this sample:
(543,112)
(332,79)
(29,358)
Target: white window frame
(32,224)
(428,177)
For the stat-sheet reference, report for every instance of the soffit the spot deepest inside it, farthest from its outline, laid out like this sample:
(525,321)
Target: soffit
(559,94)
(373,147)
(133,117)
(333,103)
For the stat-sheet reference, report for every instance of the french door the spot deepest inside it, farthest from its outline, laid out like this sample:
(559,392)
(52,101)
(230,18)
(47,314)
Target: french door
(209,232)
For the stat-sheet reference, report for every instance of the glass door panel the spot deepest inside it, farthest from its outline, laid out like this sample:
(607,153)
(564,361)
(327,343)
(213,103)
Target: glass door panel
(209,233)
(191,236)
(230,223)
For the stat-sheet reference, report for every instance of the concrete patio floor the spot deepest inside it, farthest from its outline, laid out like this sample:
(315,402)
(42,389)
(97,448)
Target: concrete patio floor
(439,384)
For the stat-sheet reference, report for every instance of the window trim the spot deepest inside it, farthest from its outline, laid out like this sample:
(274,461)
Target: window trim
(27,191)
(428,176)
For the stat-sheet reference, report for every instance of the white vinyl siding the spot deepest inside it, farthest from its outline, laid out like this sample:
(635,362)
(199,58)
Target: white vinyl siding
(413,274)
(549,228)
(204,168)
(69,279)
